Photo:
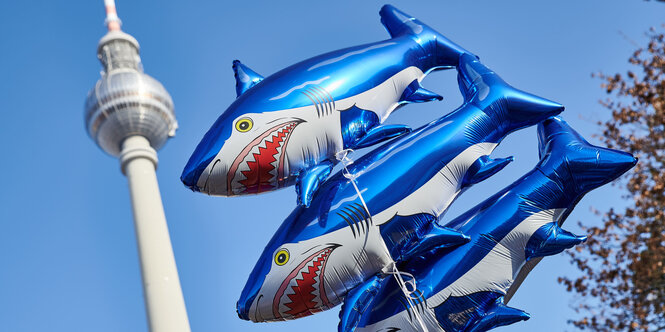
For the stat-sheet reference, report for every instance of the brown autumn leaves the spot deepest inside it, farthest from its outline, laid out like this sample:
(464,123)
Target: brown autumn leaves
(622,284)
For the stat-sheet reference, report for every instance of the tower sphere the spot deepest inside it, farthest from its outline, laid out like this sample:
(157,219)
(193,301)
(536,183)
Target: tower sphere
(126,101)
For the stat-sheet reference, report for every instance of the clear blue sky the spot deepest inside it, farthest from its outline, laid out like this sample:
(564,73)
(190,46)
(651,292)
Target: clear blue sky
(68,259)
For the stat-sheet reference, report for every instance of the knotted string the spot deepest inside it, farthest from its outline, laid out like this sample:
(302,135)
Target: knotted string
(407,287)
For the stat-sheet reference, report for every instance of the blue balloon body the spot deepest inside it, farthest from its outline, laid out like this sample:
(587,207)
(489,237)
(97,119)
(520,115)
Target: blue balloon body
(464,288)
(322,251)
(281,127)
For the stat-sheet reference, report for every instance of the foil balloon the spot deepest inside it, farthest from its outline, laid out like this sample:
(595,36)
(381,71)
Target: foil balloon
(463,288)
(322,251)
(286,128)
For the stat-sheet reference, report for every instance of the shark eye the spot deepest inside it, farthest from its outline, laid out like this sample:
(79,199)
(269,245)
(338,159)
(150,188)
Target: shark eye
(244,125)
(281,257)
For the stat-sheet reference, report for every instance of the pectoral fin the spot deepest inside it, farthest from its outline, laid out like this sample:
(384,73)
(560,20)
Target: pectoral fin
(309,180)
(550,239)
(498,315)
(483,168)
(356,302)
(437,238)
(415,93)
(380,134)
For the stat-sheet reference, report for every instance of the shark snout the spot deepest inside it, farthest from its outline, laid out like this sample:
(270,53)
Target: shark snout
(191,174)
(208,177)
(242,308)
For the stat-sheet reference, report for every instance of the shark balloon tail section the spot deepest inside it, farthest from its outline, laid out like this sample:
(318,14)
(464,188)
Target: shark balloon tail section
(588,166)
(399,23)
(483,88)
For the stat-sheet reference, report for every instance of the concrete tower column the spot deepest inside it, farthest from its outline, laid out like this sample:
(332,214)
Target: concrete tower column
(130,115)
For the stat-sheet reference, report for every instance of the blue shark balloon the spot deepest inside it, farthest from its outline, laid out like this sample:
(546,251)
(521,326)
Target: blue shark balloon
(462,289)
(322,251)
(286,128)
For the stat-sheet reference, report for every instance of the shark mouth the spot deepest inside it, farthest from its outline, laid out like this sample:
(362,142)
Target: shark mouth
(260,165)
(303,293)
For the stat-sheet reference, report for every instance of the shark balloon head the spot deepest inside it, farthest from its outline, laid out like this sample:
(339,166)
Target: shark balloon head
(312,260)
(294,287)
(241,154)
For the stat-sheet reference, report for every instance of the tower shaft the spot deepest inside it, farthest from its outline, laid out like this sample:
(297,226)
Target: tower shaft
(130,115)
(161,286)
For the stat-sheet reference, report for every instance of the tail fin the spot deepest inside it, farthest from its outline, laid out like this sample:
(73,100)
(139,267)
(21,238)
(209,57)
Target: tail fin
(485,89)
(398,23)
(563,150)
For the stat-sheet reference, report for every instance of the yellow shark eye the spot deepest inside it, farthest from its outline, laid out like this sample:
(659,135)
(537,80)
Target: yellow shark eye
(244,125)
(281,257)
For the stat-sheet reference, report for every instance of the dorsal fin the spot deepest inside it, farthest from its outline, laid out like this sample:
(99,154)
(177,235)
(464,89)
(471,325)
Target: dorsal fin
(437,238)
(245,77)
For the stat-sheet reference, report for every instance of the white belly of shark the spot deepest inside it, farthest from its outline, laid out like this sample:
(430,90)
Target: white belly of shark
(440,191)
(497,270)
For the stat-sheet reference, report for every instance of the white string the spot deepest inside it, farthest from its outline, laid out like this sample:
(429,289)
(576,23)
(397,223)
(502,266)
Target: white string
(408,293)
(342,156)
(407,287)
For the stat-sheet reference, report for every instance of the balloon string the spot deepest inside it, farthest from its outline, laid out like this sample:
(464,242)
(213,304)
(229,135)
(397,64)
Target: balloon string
(343,157)
(408,288)
(408,293)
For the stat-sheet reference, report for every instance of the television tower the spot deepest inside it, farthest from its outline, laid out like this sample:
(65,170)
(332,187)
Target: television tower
(130,115)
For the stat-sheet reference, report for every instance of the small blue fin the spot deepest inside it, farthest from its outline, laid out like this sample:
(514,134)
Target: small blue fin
(415,93)
(308,182)
(483,168)
(550,239)
(497,315)
(380,134)
(245,77)
(356,302)
(437,238)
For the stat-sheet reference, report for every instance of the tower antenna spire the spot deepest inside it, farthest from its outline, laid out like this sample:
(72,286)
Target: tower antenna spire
(112,21)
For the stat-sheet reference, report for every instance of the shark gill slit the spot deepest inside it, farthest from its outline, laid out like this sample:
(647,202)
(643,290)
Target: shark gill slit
(329,99)
(365,213)
(351,217)
(357,216)
(406,307)
(312,99)
(348,223)
(321,98)
(325,102)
